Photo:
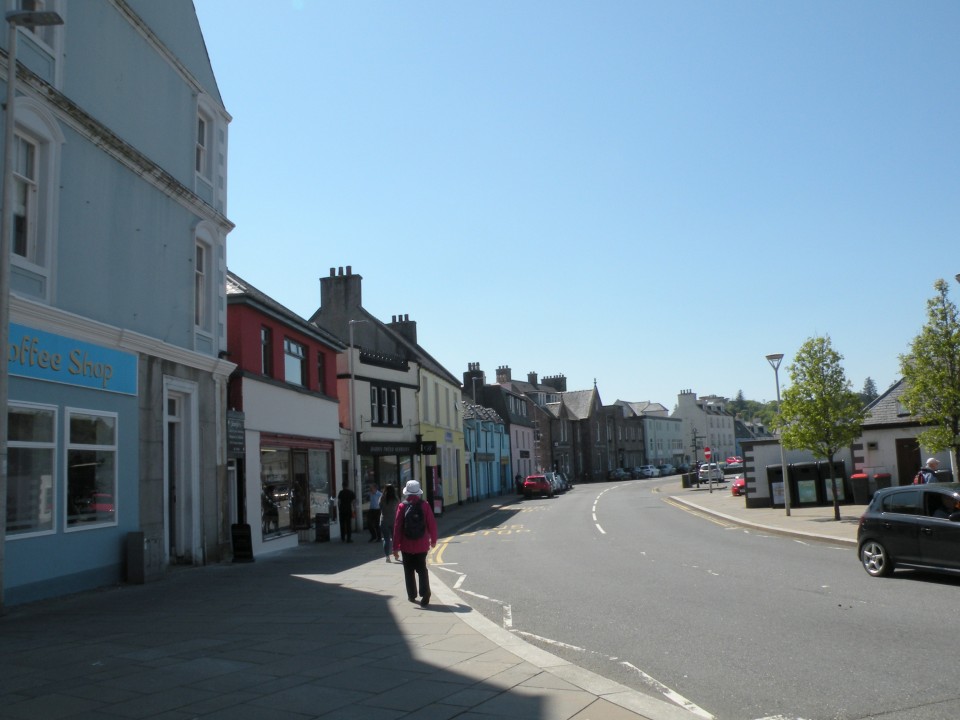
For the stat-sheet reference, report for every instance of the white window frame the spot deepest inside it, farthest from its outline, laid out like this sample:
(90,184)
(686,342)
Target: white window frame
(374,405)
(202,163)
(294,362)
(68,446)
(35,125)
(201,286)
(38,445)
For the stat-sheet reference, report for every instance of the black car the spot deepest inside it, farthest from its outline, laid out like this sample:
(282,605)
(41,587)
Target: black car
(915,526)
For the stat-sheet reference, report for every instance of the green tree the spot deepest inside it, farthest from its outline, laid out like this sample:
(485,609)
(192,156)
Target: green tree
(869,392)
(931,373)
(738,405)
(819,412)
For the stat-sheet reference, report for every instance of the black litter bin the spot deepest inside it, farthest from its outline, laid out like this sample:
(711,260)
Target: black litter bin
(882,480)
(805,485)
(860,485)
(321,524)
(775,483)
(840,473)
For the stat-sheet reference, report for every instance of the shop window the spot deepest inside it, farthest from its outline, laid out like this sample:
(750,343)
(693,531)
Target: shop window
(91,468)
(275,490)
(30,463)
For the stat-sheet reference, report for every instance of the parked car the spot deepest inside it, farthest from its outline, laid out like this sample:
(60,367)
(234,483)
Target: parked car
(648,471)
(564,481)
(734,460)
(666,469)
(619,474)
(738,486)
(913,526)
(537,485)
(710,471)
(683,468)
(556,482)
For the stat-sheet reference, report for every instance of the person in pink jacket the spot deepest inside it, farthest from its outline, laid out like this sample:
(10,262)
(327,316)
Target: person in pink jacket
(414,533)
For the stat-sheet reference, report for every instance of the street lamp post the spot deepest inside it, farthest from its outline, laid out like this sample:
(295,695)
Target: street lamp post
(355,434)
(774,361)
(15,19)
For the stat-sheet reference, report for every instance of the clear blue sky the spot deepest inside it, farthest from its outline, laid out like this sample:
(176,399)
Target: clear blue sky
(654,195)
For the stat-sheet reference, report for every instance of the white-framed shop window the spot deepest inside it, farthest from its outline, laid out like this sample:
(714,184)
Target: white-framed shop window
(91,463)
(31,470)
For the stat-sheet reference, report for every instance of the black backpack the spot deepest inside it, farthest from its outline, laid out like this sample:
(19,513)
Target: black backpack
(414,525)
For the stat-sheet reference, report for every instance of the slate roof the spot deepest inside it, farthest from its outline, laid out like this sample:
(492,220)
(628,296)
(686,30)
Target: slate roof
(645,407)
(479,412)
(239,290)
(580,403)
(886,409)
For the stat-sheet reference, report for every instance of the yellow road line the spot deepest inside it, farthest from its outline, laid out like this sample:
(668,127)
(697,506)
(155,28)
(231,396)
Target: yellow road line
(698,513)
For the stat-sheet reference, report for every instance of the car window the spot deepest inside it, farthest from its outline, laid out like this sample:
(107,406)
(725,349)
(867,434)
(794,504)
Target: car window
(904,502)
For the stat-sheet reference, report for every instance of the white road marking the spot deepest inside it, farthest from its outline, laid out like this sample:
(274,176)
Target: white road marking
(602,531)
(548,641)
(459,582)
(507,616)
(671,695)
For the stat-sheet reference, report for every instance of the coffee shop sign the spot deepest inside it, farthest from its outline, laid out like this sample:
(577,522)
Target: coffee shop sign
(44,356)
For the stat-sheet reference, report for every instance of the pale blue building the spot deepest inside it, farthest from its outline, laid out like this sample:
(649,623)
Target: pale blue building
(117,453)
(487,445)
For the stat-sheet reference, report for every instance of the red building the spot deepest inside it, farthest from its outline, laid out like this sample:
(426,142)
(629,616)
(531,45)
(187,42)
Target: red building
(284,442)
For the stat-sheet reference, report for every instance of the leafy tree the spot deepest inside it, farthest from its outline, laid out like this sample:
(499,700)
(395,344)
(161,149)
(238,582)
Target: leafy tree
(869,392)
(931,373)
(820,412)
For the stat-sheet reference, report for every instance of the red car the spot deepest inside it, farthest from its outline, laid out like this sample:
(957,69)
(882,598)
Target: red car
(738,486)
(537,485)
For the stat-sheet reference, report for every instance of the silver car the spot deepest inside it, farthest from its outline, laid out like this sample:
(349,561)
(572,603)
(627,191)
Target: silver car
(711,471)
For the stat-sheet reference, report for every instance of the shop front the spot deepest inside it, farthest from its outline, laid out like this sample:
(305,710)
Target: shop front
(72,492)
(295,475)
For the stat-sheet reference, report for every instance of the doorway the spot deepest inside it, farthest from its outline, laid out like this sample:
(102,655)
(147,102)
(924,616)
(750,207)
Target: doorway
(908,459)
(181,473)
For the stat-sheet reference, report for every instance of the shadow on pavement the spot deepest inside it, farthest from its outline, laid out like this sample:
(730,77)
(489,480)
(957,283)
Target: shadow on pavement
(278,638)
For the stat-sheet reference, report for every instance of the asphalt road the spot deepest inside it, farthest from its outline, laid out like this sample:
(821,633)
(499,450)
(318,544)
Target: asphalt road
(733,623)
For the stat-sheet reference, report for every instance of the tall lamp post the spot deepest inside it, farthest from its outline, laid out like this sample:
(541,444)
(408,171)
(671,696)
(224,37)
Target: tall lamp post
(774,361)
(28,19)
(355,434)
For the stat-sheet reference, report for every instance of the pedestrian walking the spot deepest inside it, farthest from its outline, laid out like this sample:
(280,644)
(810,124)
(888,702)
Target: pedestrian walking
(346,500)
(373,514)
(414,533)
(388,516)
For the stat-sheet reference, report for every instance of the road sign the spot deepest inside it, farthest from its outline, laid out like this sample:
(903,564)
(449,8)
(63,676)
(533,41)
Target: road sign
(706,453)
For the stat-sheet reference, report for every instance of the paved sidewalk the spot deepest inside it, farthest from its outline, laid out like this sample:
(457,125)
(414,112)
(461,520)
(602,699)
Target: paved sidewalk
(323,630)
(814,523)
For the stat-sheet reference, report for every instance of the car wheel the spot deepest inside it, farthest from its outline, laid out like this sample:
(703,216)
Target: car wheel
(875,559)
